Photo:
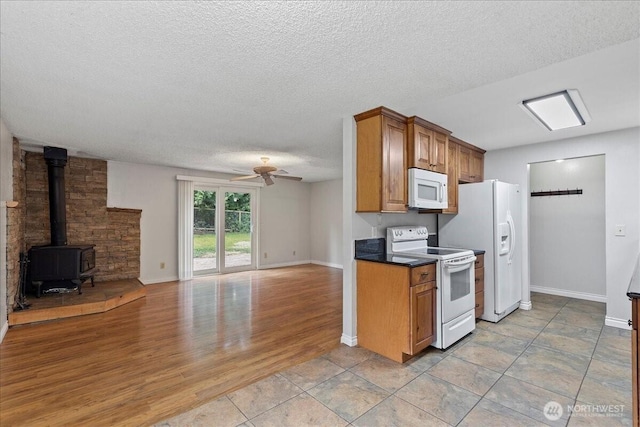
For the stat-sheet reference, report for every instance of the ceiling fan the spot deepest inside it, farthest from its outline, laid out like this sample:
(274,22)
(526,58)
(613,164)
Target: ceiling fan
(267,172)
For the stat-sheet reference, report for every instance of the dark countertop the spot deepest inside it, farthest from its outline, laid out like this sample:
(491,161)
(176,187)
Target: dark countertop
(375,250)
(478,251)
(395,260)
(634,286)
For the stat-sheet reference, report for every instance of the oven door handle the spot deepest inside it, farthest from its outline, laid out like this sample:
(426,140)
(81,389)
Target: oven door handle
(455,266)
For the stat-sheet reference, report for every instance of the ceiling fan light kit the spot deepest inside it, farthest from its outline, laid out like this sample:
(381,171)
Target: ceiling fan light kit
(267,172)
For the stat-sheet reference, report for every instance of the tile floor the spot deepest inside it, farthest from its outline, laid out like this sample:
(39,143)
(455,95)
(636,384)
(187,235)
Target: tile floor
(500,375)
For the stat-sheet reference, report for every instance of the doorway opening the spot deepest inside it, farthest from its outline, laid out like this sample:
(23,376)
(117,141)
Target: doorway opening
(568,228)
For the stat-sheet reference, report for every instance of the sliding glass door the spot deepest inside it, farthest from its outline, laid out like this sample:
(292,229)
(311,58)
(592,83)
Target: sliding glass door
(223,222)
(238,227)
(205,237)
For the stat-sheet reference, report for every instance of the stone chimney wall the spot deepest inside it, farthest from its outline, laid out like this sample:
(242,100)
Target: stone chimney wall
(115,232)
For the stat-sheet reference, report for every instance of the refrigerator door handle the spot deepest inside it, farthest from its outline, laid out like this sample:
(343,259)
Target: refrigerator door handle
(512,237)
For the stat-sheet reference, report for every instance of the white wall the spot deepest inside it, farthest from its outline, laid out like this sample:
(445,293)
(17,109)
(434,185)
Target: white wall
(622,179)
(6,193)
(326,223)
(154,189)
(567,233)
(284,224)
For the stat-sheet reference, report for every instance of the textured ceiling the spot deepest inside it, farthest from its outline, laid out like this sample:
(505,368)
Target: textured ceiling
(216,85)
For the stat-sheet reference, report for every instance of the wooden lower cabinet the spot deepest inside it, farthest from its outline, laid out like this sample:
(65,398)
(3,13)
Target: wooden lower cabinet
(396,308)
(479,273)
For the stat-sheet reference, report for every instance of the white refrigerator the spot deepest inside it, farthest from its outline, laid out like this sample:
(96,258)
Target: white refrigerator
(489,219)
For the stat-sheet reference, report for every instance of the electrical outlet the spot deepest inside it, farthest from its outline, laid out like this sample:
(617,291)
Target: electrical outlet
(621,230)
(162,265)
(265,254)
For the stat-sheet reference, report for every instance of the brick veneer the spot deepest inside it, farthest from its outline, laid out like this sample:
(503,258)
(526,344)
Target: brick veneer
(114,232)
(15,226)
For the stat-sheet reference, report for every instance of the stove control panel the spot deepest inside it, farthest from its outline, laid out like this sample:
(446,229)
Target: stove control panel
(399,234)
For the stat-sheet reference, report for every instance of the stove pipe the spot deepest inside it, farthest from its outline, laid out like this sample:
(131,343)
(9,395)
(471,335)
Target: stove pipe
(56,159)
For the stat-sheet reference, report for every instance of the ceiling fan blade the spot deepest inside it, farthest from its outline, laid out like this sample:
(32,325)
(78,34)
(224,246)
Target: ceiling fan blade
(267,179)
(281,172)
(240,178)
(292,178)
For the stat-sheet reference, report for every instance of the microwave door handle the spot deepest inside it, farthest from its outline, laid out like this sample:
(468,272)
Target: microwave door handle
(441,187)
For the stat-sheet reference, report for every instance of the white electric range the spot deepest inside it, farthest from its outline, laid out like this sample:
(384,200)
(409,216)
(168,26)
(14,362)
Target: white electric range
(455,281)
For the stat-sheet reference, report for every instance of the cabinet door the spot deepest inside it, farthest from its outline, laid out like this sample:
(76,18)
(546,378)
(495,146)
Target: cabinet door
(452,178)
(422,143)
(394,165)
(464,164)
(438,155)
(423,316)
(479,304)
(477,166)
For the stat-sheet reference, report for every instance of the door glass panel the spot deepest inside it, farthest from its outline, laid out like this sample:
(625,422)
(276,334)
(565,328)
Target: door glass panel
(460,286)
(428,192)
(237,229)
(204,231)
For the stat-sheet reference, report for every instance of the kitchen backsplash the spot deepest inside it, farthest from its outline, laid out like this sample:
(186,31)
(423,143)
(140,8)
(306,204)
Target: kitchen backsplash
(370,246)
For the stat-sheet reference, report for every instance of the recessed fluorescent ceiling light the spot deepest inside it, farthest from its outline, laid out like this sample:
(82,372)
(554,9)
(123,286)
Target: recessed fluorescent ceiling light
(559,110)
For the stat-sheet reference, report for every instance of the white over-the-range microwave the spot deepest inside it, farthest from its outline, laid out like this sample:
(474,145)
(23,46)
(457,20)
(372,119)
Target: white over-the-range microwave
(427,189)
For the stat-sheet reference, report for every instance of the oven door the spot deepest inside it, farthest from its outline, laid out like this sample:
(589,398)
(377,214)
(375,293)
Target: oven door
(457,287)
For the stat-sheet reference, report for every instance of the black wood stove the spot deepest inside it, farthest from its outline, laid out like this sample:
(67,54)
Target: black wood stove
(59,266)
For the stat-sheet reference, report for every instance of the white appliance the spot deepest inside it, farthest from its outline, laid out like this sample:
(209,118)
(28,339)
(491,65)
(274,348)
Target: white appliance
(455,281)
(489,219)
(427,189)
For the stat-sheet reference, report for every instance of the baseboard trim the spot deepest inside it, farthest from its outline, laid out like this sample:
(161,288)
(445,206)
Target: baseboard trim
(283,264)
(327,264)
(4,330)
(525,305)
(617,323)
(159,280)
(349,340)
(570,294)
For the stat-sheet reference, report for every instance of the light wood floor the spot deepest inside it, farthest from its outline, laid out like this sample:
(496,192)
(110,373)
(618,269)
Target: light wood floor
(183,345)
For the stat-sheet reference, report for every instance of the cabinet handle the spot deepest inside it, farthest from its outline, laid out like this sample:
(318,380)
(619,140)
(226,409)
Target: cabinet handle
(424,275)
(477,280)
(477,305)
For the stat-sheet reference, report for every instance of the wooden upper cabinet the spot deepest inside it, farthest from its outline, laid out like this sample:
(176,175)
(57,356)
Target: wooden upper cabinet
(452,179)
(464,163)
(470,162)
(477,165)
(427,145)
(381,161)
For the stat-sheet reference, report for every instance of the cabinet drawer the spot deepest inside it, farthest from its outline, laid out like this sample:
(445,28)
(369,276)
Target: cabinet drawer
(479,261)
(479,303)
(479,273)
(423,274)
